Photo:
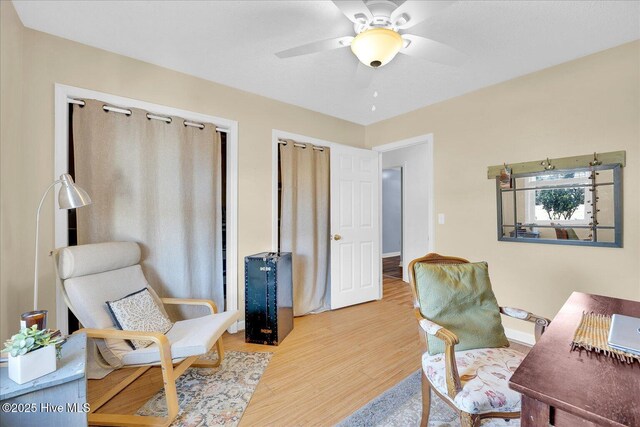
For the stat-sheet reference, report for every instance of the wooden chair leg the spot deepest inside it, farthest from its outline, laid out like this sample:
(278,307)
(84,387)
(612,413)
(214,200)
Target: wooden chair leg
(469,420)
(426,401)
(220,351)
(172,401)
(127,420)
(169,380)
(118,388)
(171,396)
(205,363)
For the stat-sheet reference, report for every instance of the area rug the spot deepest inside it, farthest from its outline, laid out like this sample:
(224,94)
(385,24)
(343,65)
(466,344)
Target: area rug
(209,397)
(401,406)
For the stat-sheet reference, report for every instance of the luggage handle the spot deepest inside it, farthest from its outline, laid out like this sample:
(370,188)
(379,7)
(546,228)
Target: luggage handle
(266,281)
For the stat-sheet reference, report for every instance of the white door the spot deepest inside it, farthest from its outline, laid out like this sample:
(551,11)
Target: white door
(355,226)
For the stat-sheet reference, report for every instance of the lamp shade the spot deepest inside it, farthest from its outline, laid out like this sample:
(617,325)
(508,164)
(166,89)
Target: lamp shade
(70,195)
(377,46)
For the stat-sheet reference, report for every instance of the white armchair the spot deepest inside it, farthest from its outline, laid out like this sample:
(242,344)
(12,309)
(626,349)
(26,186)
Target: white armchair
(89,276)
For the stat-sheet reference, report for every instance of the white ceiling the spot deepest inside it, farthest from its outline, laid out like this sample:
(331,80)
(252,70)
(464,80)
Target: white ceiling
(233,43)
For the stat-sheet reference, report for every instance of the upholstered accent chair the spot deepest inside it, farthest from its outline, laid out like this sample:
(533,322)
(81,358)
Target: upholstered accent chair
(474,382)
(88,277)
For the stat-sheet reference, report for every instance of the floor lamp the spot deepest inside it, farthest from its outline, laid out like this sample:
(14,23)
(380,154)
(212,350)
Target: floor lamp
(70,196)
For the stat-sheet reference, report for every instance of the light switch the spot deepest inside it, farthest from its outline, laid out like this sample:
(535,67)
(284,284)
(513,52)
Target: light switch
(441,218)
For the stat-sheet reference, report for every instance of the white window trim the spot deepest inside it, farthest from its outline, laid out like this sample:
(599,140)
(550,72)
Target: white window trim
(430,214)
(530,203)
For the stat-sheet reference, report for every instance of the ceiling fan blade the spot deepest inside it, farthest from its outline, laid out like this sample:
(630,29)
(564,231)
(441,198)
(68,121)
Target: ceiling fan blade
(412,12)
(354,9)
(364,75)
(318,46)
(432,50)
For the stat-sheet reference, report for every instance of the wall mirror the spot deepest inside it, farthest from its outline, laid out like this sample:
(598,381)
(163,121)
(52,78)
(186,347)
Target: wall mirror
(568,205)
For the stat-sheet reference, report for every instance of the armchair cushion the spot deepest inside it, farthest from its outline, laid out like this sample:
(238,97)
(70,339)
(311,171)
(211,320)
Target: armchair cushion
(88,294)
(484,375)
(82,260)
(139,312)
(92,274)
(189,337)
(459,298)
(571,234)
(565,233)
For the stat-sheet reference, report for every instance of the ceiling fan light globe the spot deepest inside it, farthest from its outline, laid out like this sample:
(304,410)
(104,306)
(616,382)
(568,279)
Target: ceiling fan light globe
(377,46)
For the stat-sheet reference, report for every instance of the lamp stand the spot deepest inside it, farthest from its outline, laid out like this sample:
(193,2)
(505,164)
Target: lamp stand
(70,196)
(35,273)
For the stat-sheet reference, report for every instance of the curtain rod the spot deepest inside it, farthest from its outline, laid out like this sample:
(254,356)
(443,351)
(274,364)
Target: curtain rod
(150,116)
(301,145)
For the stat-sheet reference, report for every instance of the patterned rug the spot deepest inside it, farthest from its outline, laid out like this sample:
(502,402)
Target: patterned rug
(401,406)
(209,397)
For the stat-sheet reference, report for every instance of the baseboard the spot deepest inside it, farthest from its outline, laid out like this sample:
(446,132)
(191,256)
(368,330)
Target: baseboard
(390,254)
(236,327)
(523,337)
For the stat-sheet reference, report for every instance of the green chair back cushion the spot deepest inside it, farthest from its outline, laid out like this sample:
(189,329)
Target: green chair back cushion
(459,298)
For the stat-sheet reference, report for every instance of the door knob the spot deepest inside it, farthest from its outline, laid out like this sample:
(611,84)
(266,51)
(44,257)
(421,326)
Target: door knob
(337,237)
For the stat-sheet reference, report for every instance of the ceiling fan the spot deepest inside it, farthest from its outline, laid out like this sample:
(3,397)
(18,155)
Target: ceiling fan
(379,33)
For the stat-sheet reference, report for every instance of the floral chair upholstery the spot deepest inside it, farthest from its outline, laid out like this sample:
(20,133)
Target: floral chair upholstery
(483,374)
(473,382)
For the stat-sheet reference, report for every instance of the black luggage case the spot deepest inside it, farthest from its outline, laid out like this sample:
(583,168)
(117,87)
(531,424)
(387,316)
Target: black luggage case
(268,297)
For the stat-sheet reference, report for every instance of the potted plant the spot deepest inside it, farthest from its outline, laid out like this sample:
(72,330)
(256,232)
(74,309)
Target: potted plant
(33,353)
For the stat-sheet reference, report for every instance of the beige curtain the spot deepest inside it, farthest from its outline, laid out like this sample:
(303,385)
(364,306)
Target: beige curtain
(158,184)
(304,227)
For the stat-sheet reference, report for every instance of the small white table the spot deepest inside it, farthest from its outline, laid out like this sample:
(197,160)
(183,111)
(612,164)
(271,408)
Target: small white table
(58,399)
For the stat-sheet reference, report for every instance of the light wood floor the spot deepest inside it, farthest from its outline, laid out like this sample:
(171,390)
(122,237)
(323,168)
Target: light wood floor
(329,366)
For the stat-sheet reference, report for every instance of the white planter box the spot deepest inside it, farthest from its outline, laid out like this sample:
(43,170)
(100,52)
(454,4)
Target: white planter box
(32,365)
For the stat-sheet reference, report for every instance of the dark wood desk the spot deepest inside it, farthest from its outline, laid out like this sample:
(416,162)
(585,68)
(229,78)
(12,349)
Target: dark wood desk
(578,388)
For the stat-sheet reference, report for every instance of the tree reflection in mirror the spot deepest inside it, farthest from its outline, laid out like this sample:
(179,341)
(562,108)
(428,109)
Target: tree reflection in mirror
(581,206)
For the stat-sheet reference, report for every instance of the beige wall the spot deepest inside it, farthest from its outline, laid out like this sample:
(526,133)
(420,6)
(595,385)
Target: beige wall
(27,151)
(13,292)
(590,104)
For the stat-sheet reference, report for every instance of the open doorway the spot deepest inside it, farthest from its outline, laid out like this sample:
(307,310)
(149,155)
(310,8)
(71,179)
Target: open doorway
(412,160)
(392,222)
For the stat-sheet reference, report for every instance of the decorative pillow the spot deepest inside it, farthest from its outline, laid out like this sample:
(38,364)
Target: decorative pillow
(459,298)
(139,311)
(571,234)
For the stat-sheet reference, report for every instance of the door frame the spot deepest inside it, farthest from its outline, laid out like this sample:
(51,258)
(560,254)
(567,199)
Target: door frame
(402,166)
(61,165)
(276,135)
(404,143)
